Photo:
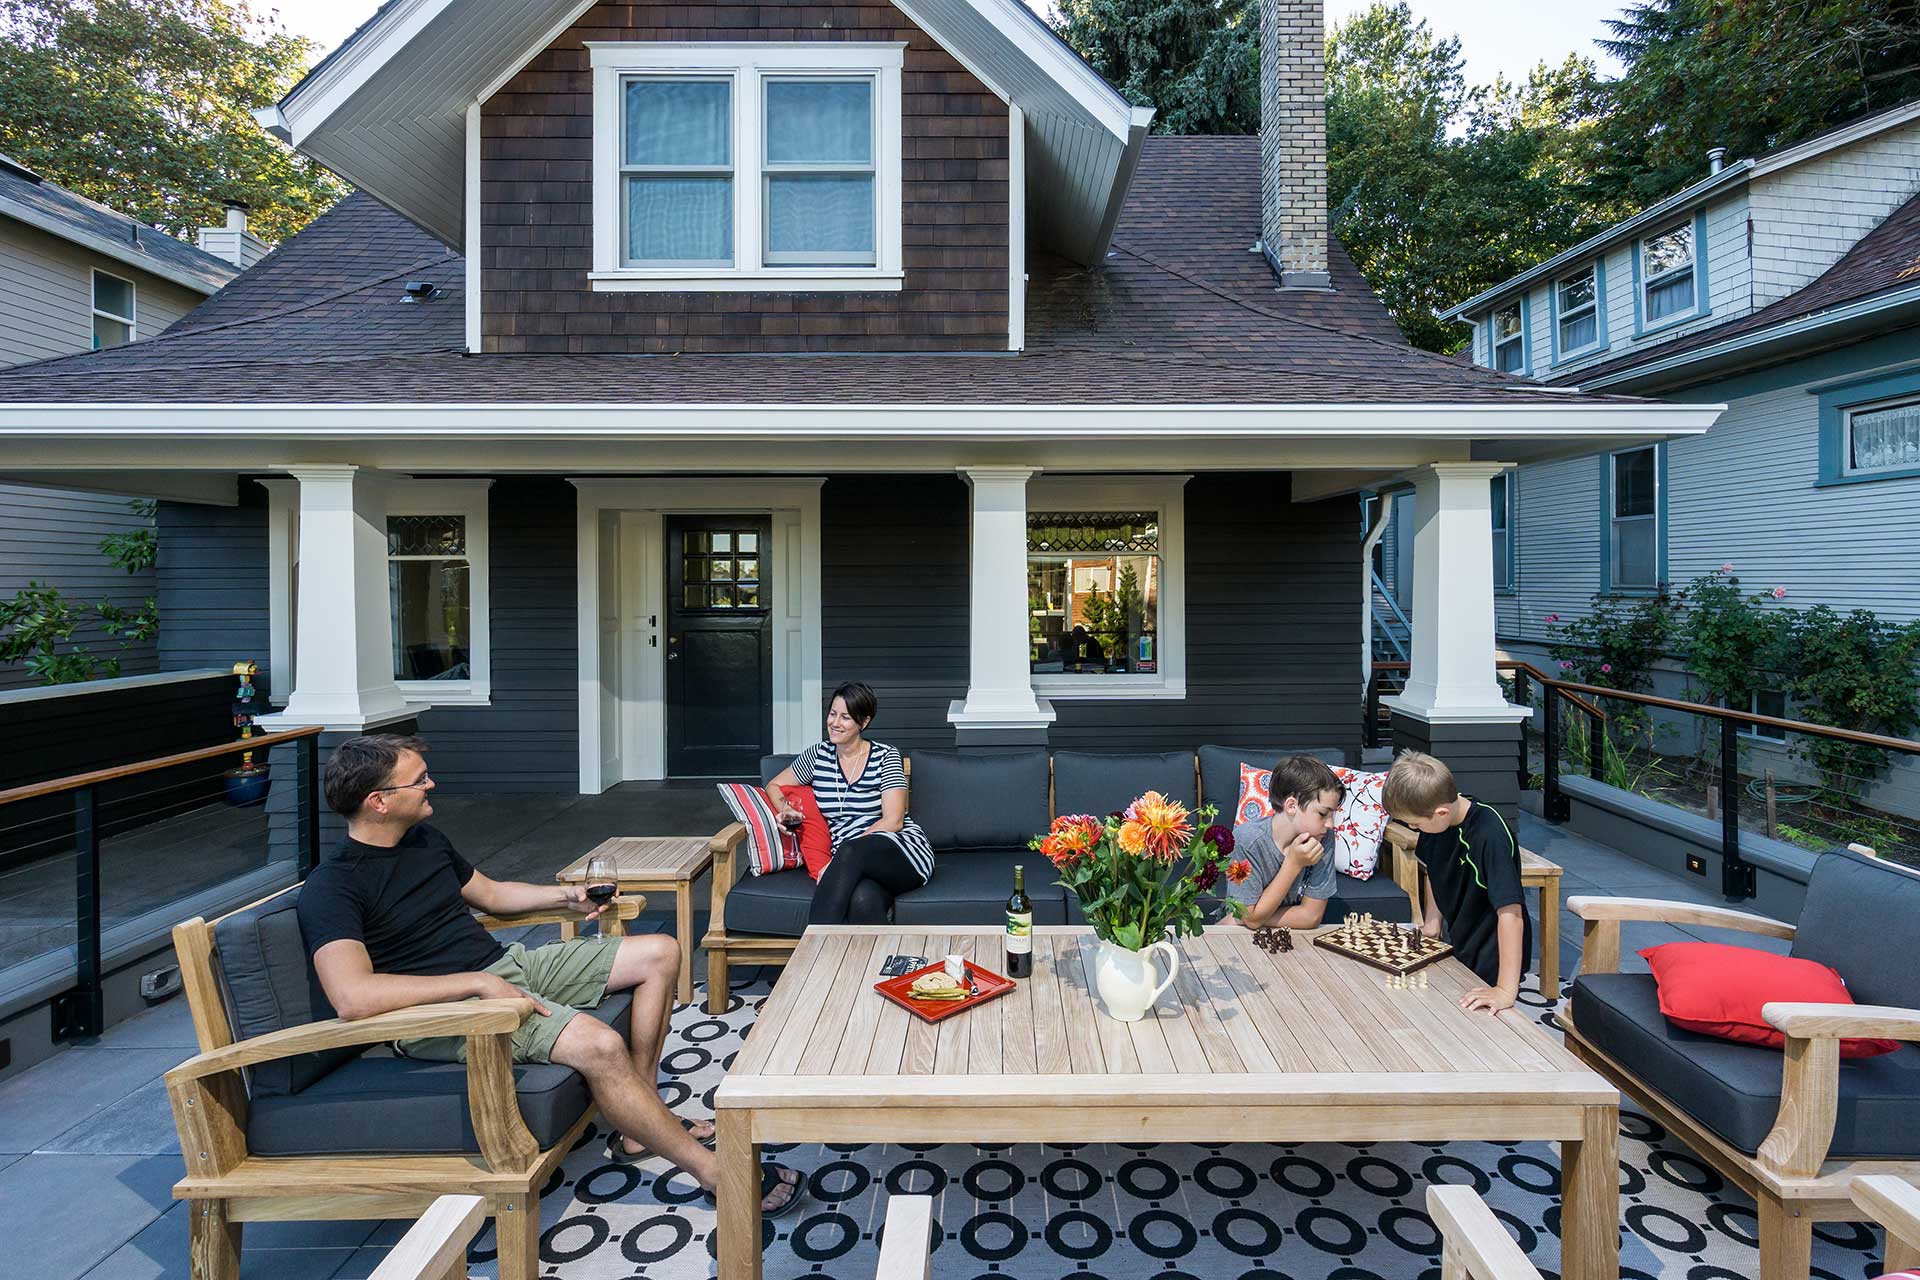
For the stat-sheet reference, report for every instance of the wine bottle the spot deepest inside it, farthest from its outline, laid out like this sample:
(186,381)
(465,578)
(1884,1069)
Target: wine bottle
(1019,928)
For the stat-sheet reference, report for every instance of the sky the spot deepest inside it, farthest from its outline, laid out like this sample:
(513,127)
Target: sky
(1498,37)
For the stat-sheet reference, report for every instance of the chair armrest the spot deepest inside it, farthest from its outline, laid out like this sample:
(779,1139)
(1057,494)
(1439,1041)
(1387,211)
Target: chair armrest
(1473,1235)
(1894,1204)
(458,1018)
(1602,917)
(437,1242)
(727,867)
(1842,1021)
(621,909)
(1402,837)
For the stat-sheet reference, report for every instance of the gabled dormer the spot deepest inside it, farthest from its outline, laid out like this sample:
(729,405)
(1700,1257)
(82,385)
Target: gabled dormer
(1743,237)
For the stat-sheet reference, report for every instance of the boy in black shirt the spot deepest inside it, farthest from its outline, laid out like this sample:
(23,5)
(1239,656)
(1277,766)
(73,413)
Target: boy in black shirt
(1472,882)
(388,924)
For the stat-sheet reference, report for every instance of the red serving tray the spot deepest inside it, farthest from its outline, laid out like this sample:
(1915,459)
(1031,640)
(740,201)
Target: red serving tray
(986,982)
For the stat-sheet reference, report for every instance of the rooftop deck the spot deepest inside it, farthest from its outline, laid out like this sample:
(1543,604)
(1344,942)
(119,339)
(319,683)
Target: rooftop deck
(88,1150)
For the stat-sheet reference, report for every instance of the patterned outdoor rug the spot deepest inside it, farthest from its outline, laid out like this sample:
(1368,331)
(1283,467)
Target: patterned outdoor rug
(1250,1211)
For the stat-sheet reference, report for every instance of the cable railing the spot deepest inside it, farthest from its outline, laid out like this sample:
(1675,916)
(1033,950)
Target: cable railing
(170,826)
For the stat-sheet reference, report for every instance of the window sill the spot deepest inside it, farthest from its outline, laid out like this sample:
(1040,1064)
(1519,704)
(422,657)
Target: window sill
(1671,322)
(1867,477)
(1575,357)
(449,694)
(1110,689)
(767,280)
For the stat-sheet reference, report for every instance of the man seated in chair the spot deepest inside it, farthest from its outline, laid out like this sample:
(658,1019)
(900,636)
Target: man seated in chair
(388,923)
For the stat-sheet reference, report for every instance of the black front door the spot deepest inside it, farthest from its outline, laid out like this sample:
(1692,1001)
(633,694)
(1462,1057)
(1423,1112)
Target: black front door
(719,659)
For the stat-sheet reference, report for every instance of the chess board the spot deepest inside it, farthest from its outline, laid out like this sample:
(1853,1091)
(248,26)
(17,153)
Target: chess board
(1396,948)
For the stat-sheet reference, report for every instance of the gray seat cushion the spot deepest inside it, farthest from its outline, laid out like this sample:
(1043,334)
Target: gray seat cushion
(774,905)
(972,887)
(979,800)
(380,1104)
(1734,1089)
(269,986)
(1220,769)
(1862,918)
(1099,782)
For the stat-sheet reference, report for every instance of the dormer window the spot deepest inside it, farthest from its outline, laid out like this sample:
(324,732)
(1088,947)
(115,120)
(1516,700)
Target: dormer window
(744,167)
(1509,340)
(1576,312)
(1667,275)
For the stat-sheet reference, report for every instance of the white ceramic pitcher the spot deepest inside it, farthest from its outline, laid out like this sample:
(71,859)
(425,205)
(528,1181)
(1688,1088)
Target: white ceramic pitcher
(1125,979)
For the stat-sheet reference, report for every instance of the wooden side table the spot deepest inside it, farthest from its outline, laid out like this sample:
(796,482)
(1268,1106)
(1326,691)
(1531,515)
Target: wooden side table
(653,864)
(1538,873)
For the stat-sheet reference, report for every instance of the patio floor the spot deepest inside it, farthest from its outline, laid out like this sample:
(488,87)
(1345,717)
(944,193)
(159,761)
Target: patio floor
(88,1152)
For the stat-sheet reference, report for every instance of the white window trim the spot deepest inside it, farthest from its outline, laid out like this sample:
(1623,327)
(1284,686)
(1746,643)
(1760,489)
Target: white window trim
(131,319)
(1495,341)
(747,66)
(1165,495)
(1847,416)
(466,498)
(1561,317)
(1649,280)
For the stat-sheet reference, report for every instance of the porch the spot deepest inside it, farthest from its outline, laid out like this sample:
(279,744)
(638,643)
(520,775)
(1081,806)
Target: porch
(88,1148)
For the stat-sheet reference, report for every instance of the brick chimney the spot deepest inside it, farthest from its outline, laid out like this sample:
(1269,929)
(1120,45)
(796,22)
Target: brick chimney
(1293,142)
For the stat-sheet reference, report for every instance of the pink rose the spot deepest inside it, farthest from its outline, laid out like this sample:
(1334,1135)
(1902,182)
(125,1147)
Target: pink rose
(1779,593)
(1565,665)
(1606,668)
(1553,617)
(1727,567)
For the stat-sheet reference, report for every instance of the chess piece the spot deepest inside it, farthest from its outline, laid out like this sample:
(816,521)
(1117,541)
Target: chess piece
(1286,940)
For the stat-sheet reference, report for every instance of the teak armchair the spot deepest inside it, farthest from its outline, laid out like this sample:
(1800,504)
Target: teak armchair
(227,1186)
(1789,1173)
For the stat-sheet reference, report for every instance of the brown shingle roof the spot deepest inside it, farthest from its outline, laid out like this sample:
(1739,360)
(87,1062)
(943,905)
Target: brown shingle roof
(1180,313)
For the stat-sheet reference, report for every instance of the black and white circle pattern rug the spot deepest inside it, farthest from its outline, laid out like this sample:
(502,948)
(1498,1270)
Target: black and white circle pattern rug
(1246,1211)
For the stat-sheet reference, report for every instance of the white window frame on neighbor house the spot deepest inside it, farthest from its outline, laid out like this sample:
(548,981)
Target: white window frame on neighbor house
(131,319)
(1648,281)
(748,68)
(464,498)
(1166,496)
(1562,317)
(1518,340)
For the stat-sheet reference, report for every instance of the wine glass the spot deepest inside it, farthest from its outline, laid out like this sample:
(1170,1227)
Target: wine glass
(600,880)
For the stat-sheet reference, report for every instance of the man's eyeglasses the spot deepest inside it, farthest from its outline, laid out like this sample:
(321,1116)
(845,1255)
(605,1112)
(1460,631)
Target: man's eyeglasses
(425,778)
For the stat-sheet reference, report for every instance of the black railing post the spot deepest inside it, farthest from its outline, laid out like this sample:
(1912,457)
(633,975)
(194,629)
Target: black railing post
(307,807)
(1552,803)
(81,1012)
(1596,747)
(1521,699)
(1737,876)
(1370,731)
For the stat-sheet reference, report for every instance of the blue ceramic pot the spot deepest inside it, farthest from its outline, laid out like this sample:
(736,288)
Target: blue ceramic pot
(246,786)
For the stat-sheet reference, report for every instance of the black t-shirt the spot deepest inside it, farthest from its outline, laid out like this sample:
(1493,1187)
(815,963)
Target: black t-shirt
(403,903)
(1474,870)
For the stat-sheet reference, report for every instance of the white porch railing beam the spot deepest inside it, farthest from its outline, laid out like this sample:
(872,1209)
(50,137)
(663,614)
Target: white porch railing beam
(1452,677)
(343,654)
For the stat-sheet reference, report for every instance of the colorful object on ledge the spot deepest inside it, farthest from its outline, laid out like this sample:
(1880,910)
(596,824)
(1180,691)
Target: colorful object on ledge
(1718,990)
(247,784)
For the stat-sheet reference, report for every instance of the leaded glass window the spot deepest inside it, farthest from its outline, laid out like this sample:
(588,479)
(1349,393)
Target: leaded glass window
(1093,591)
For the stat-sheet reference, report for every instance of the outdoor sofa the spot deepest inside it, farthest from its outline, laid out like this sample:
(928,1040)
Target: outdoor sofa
(979,810)
(1792,1128)
(288,1113)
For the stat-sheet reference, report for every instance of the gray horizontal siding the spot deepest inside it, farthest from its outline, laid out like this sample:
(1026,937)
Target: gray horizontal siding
(213,585)
(46,295)
(52,537)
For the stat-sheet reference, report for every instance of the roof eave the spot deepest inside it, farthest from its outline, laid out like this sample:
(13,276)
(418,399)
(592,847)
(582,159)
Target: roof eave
(122,253)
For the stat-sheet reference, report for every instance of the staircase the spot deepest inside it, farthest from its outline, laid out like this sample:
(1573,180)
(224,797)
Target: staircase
(1392,632)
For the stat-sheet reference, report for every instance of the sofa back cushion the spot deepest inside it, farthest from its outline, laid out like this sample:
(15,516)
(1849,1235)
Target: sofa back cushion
(1099,782)
(1862,918)
(976,801)
(770,767)
(1220,769)
(269,986)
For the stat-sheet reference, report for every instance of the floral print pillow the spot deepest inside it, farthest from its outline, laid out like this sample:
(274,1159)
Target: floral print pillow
(1357,827)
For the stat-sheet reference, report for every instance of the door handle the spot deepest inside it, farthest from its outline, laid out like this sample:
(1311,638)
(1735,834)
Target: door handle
(673,648)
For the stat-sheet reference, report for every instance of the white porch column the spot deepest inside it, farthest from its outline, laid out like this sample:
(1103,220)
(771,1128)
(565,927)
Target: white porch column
(1452,678)
(344,634)
(1000,684)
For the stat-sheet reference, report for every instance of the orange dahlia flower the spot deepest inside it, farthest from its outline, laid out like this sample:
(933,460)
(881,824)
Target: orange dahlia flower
(1133,838)
(1238,870)
(1166,824)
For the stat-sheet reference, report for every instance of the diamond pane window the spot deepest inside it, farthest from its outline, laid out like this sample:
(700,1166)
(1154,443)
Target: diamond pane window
(1093,591)
(426,535)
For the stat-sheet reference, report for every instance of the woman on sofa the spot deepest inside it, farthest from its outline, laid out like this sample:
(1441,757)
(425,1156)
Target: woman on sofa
(861,787)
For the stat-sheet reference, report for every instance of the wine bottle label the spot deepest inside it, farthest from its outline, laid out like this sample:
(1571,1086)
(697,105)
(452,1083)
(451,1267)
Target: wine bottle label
(1020,932)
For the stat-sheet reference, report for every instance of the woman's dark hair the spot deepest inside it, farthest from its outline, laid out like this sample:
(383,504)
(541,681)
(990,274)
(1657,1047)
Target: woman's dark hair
(361,765)
(861,704)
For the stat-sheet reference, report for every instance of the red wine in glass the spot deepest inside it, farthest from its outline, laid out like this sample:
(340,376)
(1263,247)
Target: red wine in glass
(600,894)
(601,885)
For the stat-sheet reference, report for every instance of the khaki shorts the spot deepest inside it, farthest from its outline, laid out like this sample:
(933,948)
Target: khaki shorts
(566,977)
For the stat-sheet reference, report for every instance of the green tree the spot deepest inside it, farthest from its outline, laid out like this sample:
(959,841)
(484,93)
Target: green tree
(1748,75)
(144,105)
(37,624)
(1195,62)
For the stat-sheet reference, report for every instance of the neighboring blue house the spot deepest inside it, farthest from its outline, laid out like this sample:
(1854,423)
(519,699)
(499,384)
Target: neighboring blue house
(1786,286)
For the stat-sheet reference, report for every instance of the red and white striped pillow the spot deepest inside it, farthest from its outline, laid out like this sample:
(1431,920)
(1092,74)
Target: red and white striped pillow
(770,847)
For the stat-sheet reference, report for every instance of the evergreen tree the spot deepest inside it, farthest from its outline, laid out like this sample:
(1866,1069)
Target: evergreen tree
(1196,62)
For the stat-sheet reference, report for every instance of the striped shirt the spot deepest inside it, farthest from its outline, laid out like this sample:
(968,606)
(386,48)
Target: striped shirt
(851,808)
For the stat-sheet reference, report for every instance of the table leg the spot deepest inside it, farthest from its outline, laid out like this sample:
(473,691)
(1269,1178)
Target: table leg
(1590,1198)
(569,931)
(1550,938)
(737,1222)
(683,926)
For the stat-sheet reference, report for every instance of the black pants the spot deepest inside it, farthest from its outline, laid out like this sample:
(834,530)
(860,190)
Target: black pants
(860,884)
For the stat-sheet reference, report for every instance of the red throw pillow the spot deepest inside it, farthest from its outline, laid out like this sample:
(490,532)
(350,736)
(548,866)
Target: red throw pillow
(1717,990)
(816,841)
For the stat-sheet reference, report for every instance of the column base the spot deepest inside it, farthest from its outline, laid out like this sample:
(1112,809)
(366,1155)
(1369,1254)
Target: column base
(998,729)
(1485,755)
(334,719)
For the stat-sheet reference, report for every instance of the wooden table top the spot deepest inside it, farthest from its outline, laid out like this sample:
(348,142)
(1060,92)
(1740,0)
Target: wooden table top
(634,857)
(1305,1025)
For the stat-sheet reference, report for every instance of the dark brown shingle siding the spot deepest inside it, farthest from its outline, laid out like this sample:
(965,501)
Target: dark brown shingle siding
(537,210)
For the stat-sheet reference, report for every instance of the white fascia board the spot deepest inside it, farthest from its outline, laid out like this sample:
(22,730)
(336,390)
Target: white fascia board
(1673,205)
(310,103)
(117,250)
(1809,326)
(844,422)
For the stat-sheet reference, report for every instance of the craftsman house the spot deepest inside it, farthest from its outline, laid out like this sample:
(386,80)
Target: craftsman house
(675,363)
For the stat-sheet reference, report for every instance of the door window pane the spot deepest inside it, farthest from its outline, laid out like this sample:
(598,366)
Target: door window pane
(1882,439)
(820,122)
(679,123)
(1093,592)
